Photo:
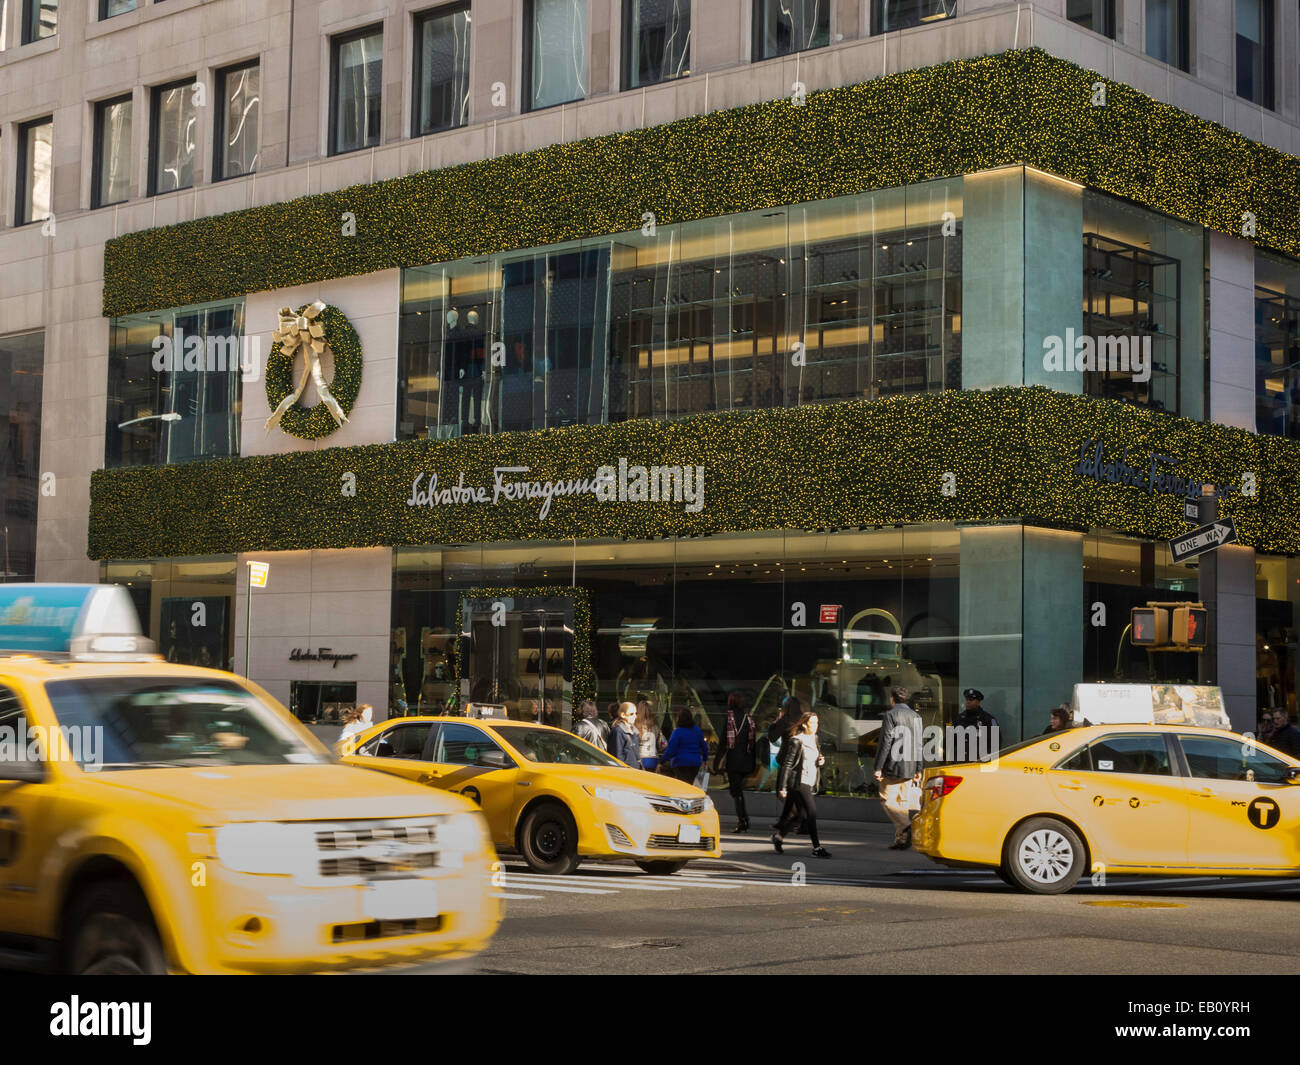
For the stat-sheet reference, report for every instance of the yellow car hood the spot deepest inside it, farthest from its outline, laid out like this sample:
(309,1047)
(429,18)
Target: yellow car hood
(282,792)
(618,777)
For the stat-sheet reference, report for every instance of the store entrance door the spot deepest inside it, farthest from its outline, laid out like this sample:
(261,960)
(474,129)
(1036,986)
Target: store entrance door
(518,652)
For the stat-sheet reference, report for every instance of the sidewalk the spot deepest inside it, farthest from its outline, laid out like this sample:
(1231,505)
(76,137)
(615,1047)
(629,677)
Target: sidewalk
(858,849)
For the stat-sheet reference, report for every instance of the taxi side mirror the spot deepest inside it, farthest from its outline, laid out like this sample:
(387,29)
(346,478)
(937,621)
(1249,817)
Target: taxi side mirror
(494,760)
(25,772)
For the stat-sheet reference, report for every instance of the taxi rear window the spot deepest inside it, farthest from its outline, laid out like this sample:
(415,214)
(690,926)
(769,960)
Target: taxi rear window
(162,722)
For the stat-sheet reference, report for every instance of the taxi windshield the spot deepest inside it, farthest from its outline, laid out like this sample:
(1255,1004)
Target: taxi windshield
(152,723)
(553,748)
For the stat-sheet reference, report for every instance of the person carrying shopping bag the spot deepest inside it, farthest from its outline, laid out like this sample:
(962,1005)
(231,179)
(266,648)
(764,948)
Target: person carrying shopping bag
(687,748)
(736,755)
(801,757)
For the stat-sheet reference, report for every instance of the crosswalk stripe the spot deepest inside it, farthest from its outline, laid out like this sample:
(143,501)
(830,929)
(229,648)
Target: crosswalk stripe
(569,889)
(509,895)
(632,885)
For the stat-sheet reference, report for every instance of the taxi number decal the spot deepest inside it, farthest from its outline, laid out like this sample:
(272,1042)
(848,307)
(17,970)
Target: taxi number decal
(1264,813)
(1034,769)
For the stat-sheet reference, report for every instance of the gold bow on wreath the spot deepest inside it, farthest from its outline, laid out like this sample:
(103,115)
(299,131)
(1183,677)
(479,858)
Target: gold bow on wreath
(303,330)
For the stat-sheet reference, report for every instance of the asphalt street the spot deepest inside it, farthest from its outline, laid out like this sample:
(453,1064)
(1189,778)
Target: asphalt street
(868,909)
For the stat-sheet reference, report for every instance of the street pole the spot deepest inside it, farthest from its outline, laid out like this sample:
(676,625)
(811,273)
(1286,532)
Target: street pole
(248,620)
(1207,590)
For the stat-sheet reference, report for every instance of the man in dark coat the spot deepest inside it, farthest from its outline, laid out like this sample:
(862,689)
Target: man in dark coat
(898,763)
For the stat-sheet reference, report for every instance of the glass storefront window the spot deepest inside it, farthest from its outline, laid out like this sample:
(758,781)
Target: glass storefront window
(185,605)
(1277,345)
(656,41)
(22,366)
(1143,306)
(851,298)
(190,407)
(834,619)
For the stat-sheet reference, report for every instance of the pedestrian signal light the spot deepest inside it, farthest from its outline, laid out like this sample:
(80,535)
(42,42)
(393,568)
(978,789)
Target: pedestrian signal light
(1189,627)
(1150,626)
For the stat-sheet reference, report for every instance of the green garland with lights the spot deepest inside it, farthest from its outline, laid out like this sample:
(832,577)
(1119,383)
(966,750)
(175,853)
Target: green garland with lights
(1011,453)
(315,422)
(584,673)
(955,118)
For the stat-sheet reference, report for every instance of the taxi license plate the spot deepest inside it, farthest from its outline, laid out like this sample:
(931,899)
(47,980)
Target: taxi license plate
(401,900)
(688,833)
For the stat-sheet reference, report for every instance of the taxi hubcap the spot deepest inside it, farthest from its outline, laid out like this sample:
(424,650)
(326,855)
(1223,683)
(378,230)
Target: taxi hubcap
(550,839)
(1046,856)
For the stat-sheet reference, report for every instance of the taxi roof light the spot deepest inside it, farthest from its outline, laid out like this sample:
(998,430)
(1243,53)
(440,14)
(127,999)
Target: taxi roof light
(87,622)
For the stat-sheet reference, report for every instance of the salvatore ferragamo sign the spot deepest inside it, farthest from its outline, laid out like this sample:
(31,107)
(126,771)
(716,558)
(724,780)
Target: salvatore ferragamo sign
(299,654)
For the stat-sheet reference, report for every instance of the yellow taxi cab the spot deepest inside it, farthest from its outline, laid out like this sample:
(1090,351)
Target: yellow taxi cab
(1118,799)
(548,795)
(158,817)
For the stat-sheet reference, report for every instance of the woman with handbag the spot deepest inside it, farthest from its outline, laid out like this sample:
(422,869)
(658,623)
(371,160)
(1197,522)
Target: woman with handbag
(624,744)
(797,782)
(736,755)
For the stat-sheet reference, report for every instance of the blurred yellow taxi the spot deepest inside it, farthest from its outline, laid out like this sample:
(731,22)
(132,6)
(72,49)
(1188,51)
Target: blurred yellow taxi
(549,796)
(158,817)
(1116,799)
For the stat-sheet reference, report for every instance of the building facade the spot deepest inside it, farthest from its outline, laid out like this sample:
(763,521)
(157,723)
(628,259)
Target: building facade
(682,349)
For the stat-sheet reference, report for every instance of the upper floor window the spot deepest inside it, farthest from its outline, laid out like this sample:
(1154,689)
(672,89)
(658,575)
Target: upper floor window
(40,20)
(1167,32)
(785,26)
(356,88)
(889,15)
(441,69)
(175,384)
(35,170)
(555,52)
(1096,15)
(112,152)
(656,41)
(109,8)
(172,126)
(1255,33)
(239,106)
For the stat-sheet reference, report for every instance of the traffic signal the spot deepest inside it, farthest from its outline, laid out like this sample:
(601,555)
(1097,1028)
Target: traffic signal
(1150,626)
(1189,627)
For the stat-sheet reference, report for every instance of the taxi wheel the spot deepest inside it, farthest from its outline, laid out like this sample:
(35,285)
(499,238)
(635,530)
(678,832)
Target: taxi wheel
(1045,856)
(661,868)
(113,933)
(548,839)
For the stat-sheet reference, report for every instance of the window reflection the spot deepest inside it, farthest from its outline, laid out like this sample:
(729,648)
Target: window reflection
(113,151)
(1277,346)
(238,121)
(442,91)
(852,298)
(190,411)
(657,41)
(174,122)
(557,51)
(358,89)
(785,26)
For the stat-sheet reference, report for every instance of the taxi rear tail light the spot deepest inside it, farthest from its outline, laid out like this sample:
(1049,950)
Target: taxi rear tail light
(942,785)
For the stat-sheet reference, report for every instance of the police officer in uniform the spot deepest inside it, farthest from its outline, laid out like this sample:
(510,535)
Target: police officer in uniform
(975,715)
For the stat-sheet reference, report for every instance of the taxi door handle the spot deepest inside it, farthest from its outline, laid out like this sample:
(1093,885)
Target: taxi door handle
(1073,785)
(427,778)
(1203,793)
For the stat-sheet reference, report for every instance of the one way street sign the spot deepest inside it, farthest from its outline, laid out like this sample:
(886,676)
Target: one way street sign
(1203,539)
